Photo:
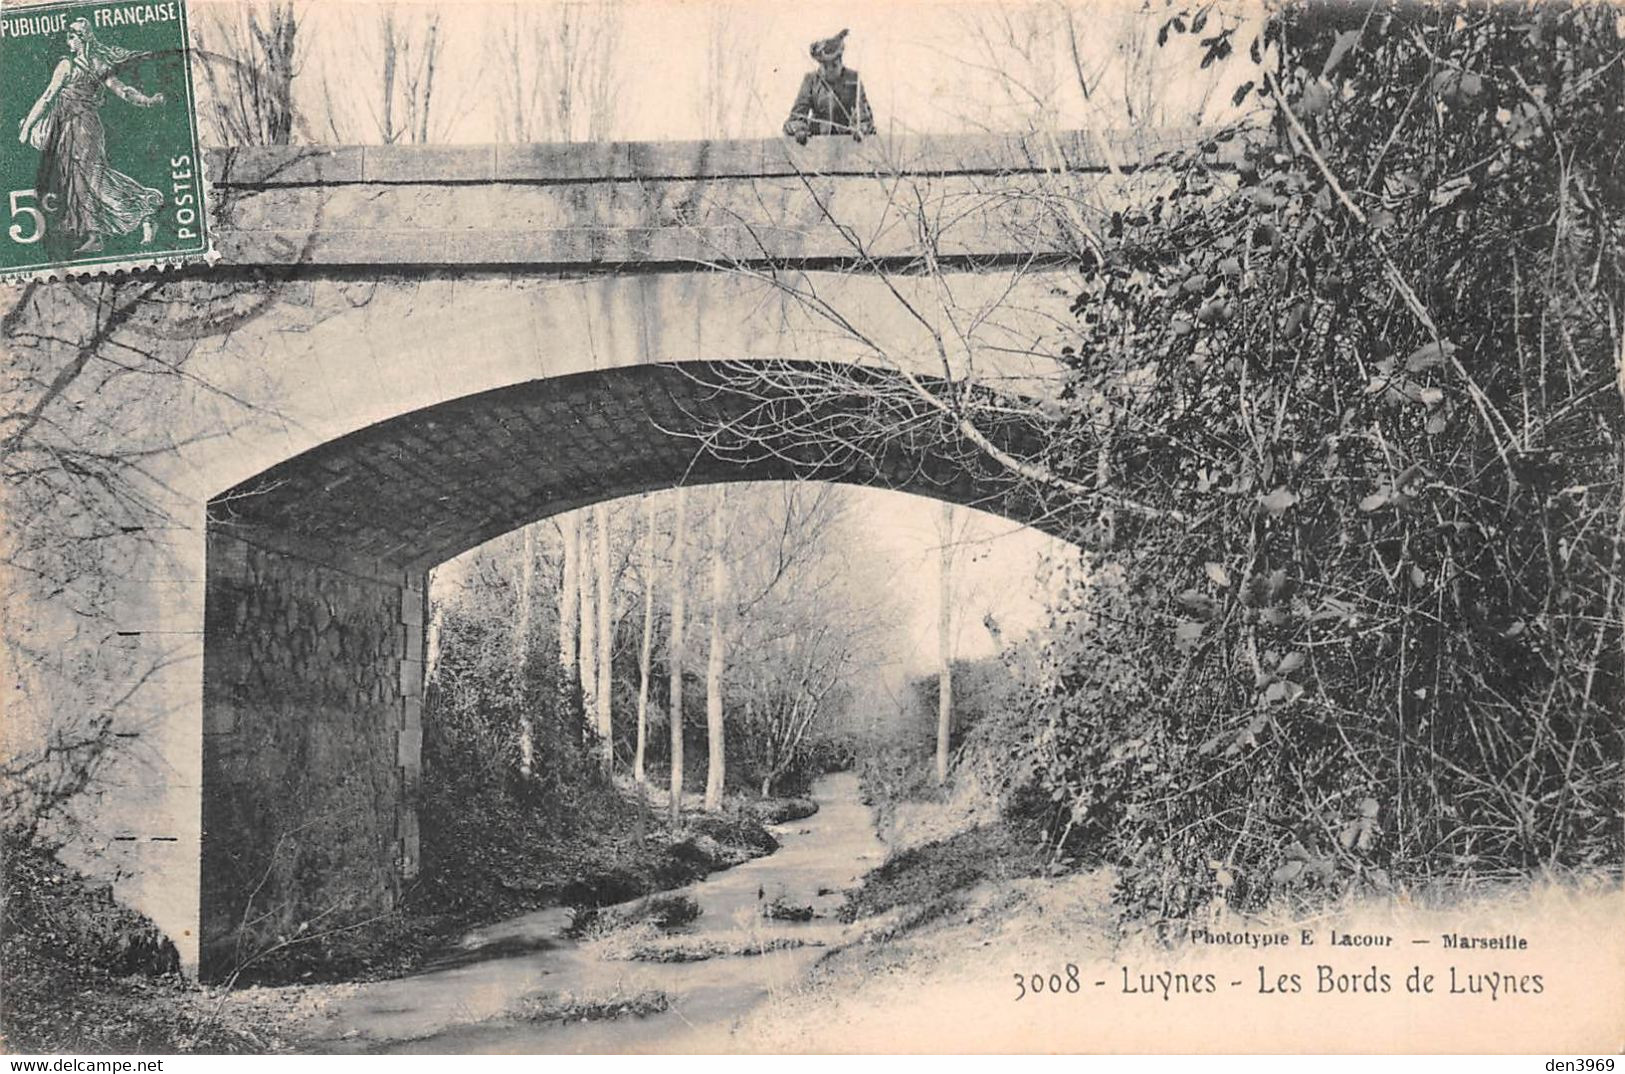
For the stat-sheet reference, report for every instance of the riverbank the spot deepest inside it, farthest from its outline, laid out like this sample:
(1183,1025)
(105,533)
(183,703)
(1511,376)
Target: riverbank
(84,974)
(497,856)
(655,975)
(918,947)
(965,944)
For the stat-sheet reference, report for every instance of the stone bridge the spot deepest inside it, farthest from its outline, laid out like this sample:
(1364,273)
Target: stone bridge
(410,351)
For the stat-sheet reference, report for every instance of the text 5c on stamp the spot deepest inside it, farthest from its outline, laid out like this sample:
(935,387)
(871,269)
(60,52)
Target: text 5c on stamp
(99,163)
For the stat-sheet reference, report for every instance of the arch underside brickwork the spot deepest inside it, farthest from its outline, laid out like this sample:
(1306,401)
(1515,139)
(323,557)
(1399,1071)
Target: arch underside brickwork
(423,487)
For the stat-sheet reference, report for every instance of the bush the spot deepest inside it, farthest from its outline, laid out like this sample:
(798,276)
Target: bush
(52,912)
(1355,613)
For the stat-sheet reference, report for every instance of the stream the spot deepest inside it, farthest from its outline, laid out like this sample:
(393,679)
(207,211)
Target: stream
(468,1005)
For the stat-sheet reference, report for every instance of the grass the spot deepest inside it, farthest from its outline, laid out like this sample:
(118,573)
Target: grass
(567,1007)
(782,909)
(644,943)
(660,912)
(781,810)
(932,878)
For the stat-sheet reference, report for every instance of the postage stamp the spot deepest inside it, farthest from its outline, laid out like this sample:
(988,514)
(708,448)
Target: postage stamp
(99,161)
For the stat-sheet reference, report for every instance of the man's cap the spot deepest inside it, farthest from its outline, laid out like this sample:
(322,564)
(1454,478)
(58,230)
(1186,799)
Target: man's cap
(829,47)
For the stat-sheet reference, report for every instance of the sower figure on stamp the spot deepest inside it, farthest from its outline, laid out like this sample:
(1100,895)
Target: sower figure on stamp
(65,124)
(831,100)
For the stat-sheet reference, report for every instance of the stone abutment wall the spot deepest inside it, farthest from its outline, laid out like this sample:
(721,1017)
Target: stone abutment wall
(312,697)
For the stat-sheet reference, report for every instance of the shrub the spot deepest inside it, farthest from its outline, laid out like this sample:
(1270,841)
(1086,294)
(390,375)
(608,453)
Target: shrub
(1355,613)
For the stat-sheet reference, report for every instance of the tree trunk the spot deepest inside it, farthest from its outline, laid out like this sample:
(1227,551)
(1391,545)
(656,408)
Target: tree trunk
(945,684)
(587,661)
(715,733)
(431,52)
(280,56)
(569,612)
(606,641)
(387,123)
(679,590)
(521,646)
(647,650)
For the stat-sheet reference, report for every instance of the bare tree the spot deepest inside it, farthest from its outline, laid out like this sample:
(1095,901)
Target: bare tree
(1014,56)
(728,103)
(569,607)
(716,732)
(789,695)
(807,612)
(521,648)
(646,650)
(389,76)
(1155,85)
(951,368)
(679,597)
(1043,67)
(586,574)
(432,636)
(606,638)
(945,640)
(250,55)
(561,71)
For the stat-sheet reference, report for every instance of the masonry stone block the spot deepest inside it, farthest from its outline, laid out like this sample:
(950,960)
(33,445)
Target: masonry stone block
(410,749)
(411,608)
(411,678)
(563,162)
(427,164)
(248,167)
(666,202)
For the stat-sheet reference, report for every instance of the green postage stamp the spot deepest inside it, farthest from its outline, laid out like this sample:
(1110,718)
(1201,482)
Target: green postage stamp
(99,162)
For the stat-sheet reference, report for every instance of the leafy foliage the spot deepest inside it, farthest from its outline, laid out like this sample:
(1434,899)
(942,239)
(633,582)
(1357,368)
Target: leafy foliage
(1367,377)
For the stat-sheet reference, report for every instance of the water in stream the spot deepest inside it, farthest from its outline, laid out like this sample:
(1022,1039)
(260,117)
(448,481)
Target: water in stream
(463,1007)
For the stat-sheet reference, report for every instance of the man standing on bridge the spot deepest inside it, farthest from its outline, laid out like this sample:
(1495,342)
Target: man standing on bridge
(831,100)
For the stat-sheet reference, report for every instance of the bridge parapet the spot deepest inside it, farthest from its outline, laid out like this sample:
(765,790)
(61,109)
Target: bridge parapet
(659,204)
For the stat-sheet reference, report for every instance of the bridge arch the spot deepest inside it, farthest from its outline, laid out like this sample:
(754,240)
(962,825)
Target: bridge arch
(316,603)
